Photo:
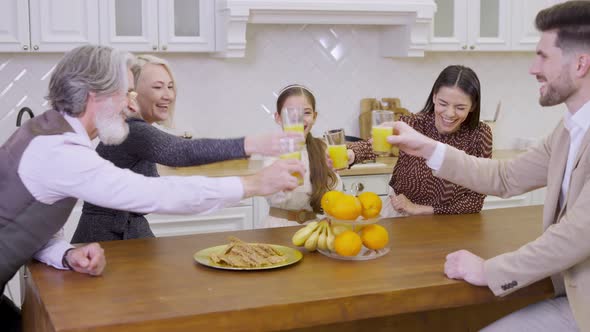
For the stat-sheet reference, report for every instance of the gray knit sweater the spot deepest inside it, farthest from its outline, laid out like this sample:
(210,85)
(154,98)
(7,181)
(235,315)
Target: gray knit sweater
(145,147)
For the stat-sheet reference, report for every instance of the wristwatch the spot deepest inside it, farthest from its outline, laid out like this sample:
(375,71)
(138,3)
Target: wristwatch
(64,261)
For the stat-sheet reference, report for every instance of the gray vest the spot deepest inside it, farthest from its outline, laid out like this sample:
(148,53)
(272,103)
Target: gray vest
(25,223)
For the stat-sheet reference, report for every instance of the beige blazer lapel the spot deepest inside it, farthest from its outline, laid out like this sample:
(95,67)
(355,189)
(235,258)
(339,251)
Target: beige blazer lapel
(583,147)
(559,152)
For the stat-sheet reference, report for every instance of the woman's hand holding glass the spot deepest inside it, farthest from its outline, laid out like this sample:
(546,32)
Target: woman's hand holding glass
(337,148)
(380,130)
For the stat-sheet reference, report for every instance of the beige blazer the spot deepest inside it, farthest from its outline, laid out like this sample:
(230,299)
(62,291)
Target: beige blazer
(563,250)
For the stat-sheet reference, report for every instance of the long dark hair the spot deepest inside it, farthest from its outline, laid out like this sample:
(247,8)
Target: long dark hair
(322,178)
(465,79)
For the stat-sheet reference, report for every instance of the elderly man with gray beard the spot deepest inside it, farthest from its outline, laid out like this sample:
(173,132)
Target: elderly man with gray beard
(49,163)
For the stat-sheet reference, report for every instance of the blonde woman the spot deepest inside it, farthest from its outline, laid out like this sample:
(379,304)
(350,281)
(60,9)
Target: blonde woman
(153,102)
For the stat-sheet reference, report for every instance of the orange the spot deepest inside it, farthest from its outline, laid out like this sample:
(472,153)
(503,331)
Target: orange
(328,200)
(347,243)
(346,207)
(374,236)
(371,204)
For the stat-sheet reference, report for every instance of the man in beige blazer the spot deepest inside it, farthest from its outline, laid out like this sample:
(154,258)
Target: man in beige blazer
(561,162)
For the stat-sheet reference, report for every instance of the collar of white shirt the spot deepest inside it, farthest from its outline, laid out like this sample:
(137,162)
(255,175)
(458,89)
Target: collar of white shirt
(580,119)
(78,128)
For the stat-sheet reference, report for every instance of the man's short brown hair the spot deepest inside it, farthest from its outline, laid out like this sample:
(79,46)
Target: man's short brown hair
(571,21)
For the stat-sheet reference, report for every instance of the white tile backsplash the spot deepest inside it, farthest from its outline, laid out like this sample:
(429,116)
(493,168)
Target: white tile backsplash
(341,64)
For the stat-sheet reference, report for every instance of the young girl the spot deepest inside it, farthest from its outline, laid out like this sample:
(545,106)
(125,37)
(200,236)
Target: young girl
(302,204)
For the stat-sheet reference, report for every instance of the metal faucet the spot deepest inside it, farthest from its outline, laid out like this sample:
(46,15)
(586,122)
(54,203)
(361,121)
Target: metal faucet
(20,115)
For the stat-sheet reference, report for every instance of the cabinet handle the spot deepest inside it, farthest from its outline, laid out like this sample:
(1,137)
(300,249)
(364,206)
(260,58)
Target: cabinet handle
(464,47)
(164,47)
(26,47)
(154,47)
(36,48)
(355,188)
(472,47)
(360,187)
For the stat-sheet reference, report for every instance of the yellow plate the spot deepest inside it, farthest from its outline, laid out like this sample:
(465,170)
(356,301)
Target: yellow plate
(202,257)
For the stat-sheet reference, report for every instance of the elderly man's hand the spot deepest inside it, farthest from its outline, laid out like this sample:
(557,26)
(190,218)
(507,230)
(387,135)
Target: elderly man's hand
(87,259)
(274,178)
(464,265)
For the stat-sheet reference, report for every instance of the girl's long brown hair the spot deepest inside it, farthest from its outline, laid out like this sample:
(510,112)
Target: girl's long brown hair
(322,177)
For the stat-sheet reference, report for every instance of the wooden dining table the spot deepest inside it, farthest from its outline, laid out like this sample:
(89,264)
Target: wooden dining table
(155,285)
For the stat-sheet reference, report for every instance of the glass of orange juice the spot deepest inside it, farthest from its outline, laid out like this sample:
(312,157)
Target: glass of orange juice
(292,118)
(381,128)
(291,149)
(337,148)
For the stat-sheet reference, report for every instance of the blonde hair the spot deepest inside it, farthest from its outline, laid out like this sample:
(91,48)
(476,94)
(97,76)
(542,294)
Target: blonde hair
(142,60)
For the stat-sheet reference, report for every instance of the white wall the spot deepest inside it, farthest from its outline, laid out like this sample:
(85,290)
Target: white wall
(341,64)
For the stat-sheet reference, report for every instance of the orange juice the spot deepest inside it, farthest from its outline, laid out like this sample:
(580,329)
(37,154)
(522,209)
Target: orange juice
(294,155)
(380,144)
(296,128)
(339,156)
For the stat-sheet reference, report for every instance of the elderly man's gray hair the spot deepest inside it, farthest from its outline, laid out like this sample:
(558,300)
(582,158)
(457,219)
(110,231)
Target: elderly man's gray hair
(98,69)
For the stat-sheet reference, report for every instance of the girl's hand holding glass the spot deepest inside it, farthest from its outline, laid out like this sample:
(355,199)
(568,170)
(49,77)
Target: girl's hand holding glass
(337,148)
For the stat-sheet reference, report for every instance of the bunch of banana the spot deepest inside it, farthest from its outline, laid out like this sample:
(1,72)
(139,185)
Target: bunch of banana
(315,235)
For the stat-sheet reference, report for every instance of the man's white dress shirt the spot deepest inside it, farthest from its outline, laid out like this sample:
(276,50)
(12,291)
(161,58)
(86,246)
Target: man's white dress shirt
(54,167)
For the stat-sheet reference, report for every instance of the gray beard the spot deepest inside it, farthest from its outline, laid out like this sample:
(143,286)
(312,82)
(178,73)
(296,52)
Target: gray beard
(112,127)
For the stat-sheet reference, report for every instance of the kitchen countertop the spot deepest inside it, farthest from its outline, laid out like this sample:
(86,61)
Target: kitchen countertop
(154,284)
(240,167)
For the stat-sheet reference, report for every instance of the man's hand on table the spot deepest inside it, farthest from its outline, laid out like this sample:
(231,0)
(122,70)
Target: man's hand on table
(464,265)
(87,259)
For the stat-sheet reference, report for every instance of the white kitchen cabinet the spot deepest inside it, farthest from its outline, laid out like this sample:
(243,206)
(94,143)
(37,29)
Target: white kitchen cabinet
(158,25)
(378,184)
(47,25)
(13,290)
(233,218)
(535,197)
(486,25)
(524,34)
(229,219)
(61,25)
(14,26)
(187,25)
(471,25)
(493,202)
